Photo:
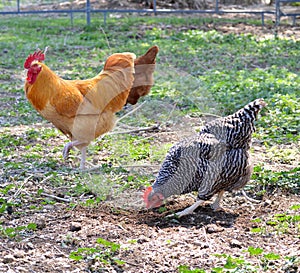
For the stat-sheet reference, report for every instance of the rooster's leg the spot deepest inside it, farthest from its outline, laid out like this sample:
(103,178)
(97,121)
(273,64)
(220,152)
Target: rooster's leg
(83,157)
(190,209)
(69,146)
(216,205)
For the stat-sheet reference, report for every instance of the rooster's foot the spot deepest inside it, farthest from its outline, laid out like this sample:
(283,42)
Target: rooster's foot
(67,149)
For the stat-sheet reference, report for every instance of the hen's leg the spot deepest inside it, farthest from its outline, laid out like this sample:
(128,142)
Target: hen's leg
(190,209)
(216,205)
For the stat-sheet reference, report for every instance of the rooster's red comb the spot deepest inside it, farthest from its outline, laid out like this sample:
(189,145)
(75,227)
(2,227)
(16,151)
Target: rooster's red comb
(36,56)
(146,193)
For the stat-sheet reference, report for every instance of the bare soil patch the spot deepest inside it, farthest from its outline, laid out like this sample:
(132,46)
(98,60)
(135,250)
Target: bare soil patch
(149,241)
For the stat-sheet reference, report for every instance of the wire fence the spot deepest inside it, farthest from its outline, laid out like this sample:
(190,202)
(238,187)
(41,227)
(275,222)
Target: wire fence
(17,7)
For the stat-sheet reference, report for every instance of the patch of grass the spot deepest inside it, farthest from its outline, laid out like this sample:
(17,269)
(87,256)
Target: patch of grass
(267,180)
(187,269)
(262,262)
(283,223)
(283,155)
(16,232)
(104,252)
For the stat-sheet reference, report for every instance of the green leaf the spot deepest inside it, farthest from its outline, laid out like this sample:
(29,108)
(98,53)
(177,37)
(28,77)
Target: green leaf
(186,269)
(255,251)
(3,208)
(75,256)
(32,226)
(217,270)
(230,263)
(113,246)
(272,256)
(295,207)
(256,230)
(162,209)
(40,191)
(10,232)
(119,262)
(256,220)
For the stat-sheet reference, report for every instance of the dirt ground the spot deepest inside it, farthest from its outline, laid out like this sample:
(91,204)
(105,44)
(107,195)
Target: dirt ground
(149,241)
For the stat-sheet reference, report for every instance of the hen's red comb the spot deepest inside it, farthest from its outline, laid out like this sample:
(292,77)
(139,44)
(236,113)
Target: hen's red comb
(36,56)
(146,193)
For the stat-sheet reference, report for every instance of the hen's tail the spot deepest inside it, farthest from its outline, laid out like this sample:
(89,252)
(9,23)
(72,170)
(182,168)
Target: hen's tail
(251,110)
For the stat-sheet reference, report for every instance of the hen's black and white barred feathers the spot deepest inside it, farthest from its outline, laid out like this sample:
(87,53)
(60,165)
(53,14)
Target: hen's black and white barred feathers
(214,160)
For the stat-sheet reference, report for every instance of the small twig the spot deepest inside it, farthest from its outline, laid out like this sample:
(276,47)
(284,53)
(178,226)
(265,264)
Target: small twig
(171,112)
(131,112)
(209,114)
(124,166)
(249,198)
(130,263)
(20,188)
(143,129)
(62,253)
(107,41)
(46,178)
(56,197)
(206,239)
(138,166)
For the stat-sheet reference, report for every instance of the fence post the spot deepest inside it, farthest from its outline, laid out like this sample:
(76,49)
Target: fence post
(277,12)
(18,6)
(154,6)
(88,12)
(217,6)
(104,19)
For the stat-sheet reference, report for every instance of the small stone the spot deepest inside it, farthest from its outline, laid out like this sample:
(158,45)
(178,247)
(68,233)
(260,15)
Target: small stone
(19,254)
(142,239)
(224,223)
(9,210)
(213,228)
(201,244)
(41,224)
(30,245)
(75,227)
(235,243)
(7,259)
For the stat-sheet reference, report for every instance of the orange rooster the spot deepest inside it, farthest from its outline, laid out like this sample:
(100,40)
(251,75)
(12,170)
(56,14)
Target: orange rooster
(85,109)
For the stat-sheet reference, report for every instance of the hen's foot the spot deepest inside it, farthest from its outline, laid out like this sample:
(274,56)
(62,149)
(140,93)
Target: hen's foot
(216,205)
(188,210)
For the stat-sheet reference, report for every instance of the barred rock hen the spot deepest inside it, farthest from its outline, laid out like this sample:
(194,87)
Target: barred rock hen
(213,161)
(85,109)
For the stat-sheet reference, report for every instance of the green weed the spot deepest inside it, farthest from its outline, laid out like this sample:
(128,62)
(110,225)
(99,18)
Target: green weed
(16,232)
(105,252)
(267,180)
(283,223)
